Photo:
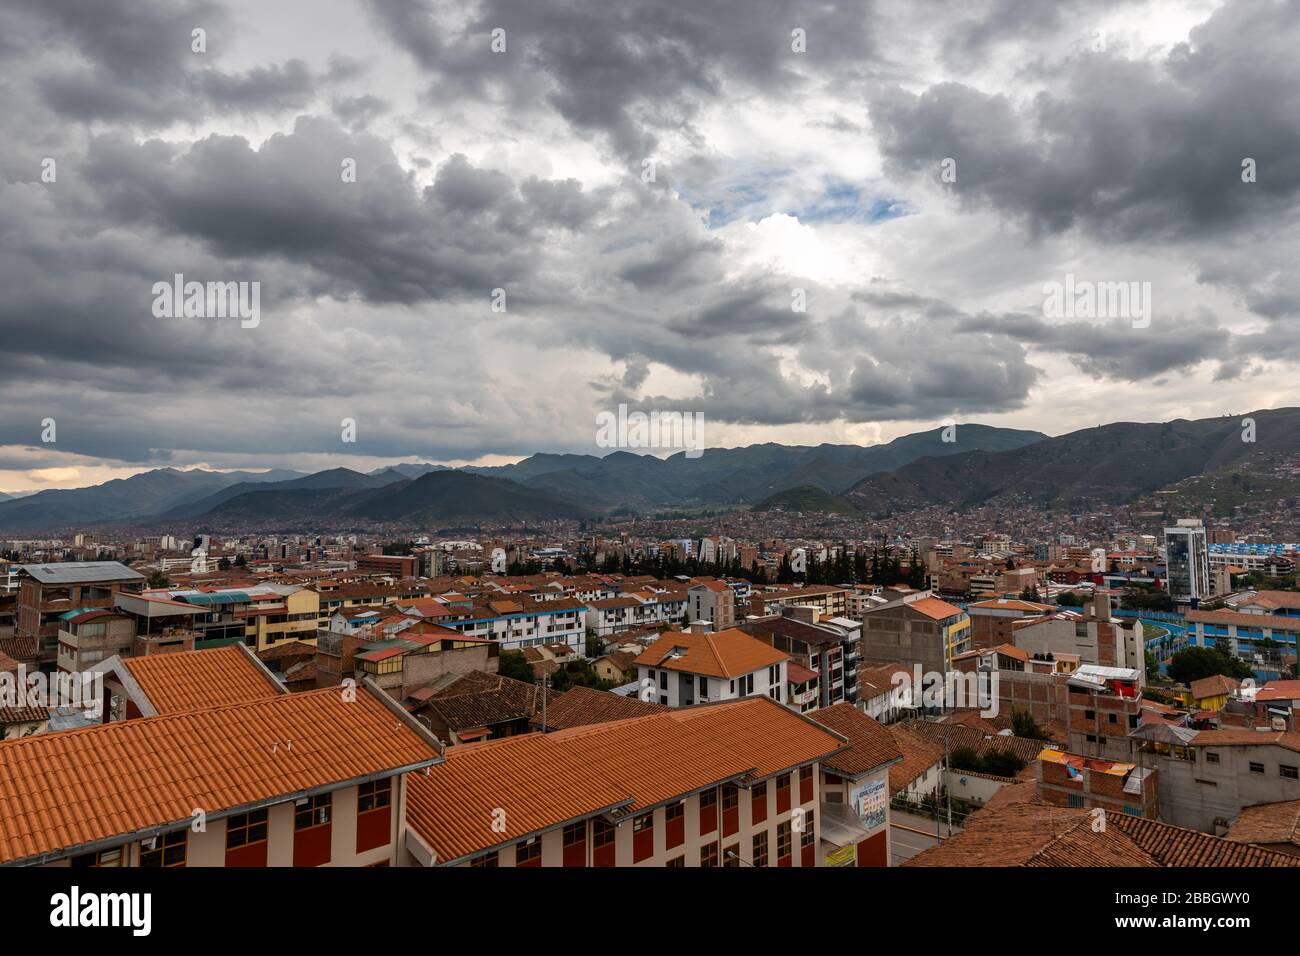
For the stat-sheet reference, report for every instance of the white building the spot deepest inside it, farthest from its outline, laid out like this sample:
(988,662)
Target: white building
(683,668)
(1188,559)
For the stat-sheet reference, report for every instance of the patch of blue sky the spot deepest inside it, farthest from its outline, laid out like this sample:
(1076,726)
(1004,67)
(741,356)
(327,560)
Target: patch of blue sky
(755,195)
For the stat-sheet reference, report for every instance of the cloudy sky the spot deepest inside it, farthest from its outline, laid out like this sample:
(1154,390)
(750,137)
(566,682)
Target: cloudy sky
(1103,140)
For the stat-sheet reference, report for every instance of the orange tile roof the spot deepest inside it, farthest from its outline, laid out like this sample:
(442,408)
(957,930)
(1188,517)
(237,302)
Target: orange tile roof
(934,608)
(544,780)
(193,680)
(728,653)
(1268,823)
(62,791)
(871,746)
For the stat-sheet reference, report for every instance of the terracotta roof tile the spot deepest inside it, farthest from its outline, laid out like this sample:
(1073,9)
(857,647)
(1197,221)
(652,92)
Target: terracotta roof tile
(193,680)
(544,780)
(581,706)
(871,745)
(63,790)
(727,653)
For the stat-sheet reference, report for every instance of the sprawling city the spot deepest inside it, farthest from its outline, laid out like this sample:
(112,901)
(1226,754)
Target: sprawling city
(742,434)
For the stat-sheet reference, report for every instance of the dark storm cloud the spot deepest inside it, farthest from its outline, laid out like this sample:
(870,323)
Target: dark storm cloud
(380,237)
(132,60)
(628,69)
(1116,350)
(1124,149)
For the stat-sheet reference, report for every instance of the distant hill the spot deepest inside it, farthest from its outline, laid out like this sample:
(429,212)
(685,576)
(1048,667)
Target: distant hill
(732,476)
(437,497)
(1110,464)
(122,499)
(807,499)
(342,478)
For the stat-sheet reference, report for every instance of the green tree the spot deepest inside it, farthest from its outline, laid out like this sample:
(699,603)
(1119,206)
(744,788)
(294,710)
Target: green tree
(514,664)
(1193,663)
(1024,725)
(158,580)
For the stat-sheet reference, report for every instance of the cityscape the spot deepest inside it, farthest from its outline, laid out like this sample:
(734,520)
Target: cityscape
(738,435)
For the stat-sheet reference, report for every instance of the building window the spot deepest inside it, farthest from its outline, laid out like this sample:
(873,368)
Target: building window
(1089,714)
(730,798)
(168,850)
(709,854)
(1256,767)
(773,674)
(245,829)
(760,849)
(313,812)
(663,680)
(676,862)
(575,833)
(374,795)
(809,835)
(492,859)
(526,853)
(602,833)
(1211,757)
(704,687)
(784,840)
(111,857)
(731,857)
(1289,773)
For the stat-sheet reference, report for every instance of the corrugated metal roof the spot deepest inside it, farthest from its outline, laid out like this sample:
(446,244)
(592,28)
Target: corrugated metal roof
(79,572)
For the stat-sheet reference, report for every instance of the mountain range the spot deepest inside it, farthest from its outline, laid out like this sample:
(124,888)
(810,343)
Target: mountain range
(1106,465)
(541,486)
(1110,464)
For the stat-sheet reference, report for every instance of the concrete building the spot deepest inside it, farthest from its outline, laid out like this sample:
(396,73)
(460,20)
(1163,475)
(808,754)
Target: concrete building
(732,784)
(712,601)
(683,668)
(916,629)
(1208,777)
(49,592)
(992,621)
(1091,633)
(829,647)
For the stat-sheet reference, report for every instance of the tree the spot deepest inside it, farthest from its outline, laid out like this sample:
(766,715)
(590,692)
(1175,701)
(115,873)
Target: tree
(514,664)
(223,564)
(241,561)
(1153,666)
(158,580)
(1023,724)
(595,646)
(1193,663)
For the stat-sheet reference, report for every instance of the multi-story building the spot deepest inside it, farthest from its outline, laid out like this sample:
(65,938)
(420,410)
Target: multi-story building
(1073,780)
(342,805)
(1208,777)
(855,790)
(1188,559)
(991,622)
(611,616)
(830,648)
(1105,707)
(1262,641)
(683,668)
(399,566)
(713,602)
(51,592)
(1091,633)
(731,784)
(515,625)
(827,601)
(916,629)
